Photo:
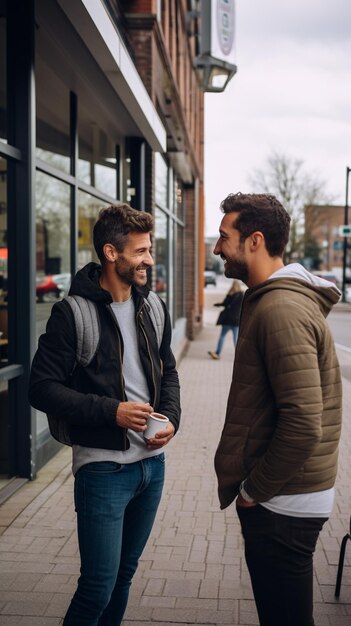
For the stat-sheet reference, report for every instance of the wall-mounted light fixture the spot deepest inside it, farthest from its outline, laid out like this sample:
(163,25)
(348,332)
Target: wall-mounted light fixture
(214,64)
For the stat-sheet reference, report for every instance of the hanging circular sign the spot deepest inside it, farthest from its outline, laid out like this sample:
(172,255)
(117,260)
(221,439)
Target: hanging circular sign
(225,25)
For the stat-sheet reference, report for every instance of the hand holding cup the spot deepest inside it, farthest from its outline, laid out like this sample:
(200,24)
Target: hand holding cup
(159,431)
(155,423)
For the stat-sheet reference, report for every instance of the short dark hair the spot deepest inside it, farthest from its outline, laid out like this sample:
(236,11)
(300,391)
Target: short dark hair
(263,212)
(114,225)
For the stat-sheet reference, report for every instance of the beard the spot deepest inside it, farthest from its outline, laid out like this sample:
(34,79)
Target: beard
(236,269)
(131,274)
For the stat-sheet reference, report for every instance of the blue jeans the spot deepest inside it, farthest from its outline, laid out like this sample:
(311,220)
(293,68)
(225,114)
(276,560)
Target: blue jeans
(279,556)
(224,330)
(116,507)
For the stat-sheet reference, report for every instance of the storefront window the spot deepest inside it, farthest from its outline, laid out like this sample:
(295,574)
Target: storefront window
(4,396)
(161,253)
(88,211)
(4,421)
(53,112)
(3,265)
(169,237)
(161,181)
(179,295)
(97,164)
(52,241)
(3,93)
(178,198)
(52,253)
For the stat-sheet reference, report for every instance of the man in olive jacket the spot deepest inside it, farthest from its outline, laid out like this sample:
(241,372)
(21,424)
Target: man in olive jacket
(278,450)
(105,406)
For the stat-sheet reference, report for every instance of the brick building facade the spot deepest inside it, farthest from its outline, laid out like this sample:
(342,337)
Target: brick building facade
(163,52)
(322,222)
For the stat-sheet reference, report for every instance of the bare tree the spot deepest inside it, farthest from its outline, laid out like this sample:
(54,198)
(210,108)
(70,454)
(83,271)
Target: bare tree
(286,178)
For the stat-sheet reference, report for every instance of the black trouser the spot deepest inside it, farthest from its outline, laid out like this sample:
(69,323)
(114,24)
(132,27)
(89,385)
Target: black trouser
(279,555)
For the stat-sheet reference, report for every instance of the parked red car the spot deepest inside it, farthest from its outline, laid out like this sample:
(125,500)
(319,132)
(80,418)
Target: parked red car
(52,286)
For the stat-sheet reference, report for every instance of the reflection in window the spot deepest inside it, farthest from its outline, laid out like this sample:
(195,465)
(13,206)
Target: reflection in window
(161,175)
(88,211)
(53,115)
(3,78)
(56,160)
(179,295)
(169,238)
(105,177)
(4,399)
(161,253)
(178,198)
(4,425)
(52,240)
(97,164)
(52,253)
(3,265)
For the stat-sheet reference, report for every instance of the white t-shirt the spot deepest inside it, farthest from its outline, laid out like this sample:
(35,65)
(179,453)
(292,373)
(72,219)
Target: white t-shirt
(136,389)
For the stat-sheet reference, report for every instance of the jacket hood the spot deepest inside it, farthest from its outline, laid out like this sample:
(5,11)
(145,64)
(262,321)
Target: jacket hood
(295,277)
(86,283)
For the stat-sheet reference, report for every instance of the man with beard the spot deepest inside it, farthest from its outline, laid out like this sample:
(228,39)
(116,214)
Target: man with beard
(278,449)
(118,476)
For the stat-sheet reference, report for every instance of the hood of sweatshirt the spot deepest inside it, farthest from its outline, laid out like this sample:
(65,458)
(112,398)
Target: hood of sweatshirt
(86,283)
(295,277)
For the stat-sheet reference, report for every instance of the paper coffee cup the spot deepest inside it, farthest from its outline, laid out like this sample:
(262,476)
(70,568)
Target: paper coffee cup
(155,423)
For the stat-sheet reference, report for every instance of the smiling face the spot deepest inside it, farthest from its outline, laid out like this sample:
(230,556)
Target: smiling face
(232,250)
(132,264)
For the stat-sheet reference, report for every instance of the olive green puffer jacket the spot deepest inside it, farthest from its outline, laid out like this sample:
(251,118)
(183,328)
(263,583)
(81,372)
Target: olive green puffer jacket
(283,419)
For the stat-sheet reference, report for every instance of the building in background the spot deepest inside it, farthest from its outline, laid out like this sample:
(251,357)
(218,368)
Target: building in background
(100,102)
(322,223)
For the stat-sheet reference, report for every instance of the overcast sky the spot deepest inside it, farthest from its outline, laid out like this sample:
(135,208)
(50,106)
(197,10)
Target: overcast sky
(291,94)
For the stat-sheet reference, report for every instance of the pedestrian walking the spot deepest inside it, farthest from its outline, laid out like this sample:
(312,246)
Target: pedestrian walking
(229,318)
(104,408)
(279,446)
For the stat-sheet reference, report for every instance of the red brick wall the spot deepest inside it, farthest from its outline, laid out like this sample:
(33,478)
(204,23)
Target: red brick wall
(163,55)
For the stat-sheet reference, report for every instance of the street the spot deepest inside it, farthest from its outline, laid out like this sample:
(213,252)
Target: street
(339,322)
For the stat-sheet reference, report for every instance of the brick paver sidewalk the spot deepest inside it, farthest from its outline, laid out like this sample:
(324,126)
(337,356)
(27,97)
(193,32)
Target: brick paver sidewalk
(192,570)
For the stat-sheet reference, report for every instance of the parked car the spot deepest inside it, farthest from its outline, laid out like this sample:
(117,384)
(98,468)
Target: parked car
(161,279)
(52,287)
(210,278)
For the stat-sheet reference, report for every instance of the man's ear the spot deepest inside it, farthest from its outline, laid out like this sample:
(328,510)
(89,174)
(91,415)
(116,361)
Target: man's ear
(256,240)
(110,252)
